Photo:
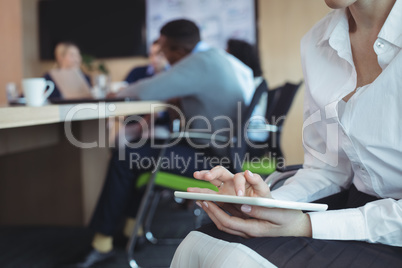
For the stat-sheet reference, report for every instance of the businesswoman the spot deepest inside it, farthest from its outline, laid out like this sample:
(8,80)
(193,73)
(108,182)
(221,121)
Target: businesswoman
(352,63)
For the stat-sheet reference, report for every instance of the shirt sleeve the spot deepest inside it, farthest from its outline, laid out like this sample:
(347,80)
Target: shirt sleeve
(376,222)
(176,82)
(326,169)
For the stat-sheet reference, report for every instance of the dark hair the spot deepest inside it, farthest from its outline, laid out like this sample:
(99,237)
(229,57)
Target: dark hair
(246,53)
(181,33)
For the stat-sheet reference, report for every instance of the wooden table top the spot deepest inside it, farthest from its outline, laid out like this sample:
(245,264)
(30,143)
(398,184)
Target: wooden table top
(20,116)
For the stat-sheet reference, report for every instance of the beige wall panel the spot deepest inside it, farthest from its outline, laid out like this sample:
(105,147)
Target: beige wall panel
(10,44)
(30,27)
(282,24)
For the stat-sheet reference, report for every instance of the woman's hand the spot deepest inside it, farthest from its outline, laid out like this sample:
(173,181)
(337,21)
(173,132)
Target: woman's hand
(218,176)
(231,184)
(249,221)
(223,179)
(260,222)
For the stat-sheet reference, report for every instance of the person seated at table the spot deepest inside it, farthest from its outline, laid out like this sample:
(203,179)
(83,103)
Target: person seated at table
(351,63)
(157,63)
(197,74)
(69,81)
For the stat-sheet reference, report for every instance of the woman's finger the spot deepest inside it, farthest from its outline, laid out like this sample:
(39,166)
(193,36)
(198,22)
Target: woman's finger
(200,172)
(204,175)
(216,214)
(201,190)
(268,214)
(239,182)
(287,222)
(218,173)
(243,227)
(260,188)
(233,209)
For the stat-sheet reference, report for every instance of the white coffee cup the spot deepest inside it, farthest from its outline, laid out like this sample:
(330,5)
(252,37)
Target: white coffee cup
(35,92)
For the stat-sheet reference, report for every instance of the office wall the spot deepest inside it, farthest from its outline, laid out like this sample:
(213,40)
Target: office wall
(34,67)
(282,23)
(10,44)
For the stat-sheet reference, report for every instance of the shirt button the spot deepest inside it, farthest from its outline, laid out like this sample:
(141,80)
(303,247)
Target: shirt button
(380,44)
(360,167)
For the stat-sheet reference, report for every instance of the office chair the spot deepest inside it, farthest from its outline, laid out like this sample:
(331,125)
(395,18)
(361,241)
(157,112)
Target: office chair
(157,179)
(279,102)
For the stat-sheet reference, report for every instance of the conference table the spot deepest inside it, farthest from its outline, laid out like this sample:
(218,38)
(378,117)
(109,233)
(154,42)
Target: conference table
(53,159)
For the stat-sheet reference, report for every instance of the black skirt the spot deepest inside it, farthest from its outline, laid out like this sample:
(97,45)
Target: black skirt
(309,252)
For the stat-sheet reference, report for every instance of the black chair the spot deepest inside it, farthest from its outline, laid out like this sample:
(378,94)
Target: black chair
(158,180)
(279,102)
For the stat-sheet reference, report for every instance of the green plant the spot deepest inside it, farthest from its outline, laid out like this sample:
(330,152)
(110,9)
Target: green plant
(89,61)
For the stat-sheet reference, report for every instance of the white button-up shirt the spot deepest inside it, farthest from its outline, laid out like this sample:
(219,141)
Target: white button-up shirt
(364,145)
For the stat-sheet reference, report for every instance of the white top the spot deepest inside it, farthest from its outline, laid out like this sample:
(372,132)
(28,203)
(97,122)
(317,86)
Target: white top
(242,71)
(365,147)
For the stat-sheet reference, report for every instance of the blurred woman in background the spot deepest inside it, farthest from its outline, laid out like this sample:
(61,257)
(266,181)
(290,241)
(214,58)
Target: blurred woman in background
(70,82)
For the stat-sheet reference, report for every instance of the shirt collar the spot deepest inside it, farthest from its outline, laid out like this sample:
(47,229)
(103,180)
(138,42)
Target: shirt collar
(391,31)
(200,47)
(337,24)
(337,35)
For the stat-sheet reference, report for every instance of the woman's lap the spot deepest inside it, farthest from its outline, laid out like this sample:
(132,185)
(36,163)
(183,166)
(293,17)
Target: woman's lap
(309,252)
(203,251)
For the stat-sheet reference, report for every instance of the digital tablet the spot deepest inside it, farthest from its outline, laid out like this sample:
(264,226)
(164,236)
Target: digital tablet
(254,201)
